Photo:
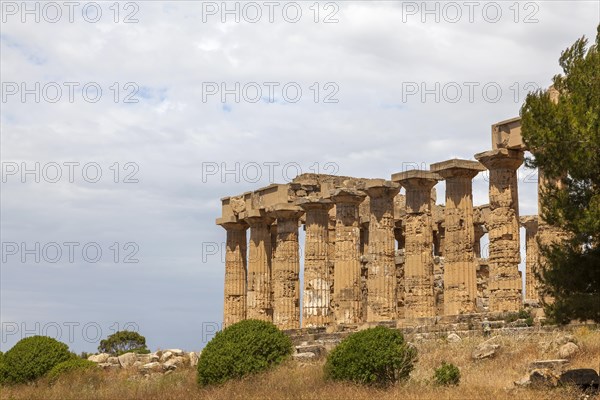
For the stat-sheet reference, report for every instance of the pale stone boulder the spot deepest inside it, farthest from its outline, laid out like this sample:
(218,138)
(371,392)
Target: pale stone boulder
(564,339)
(113,360)
(127,360)
(147,358)
(99,358)
(152,367)
(485,350)
(316,349)
(176,352)
(193,359)
(568,350)
(165,356)
(453,338)
(174,363)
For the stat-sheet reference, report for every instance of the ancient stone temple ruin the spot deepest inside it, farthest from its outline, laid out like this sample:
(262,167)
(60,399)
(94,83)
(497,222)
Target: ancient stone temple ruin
(373,254)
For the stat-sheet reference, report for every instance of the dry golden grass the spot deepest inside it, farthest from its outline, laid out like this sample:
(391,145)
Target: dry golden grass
(486,379)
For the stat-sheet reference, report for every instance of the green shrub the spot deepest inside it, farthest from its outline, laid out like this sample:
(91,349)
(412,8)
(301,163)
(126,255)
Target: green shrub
(244,348)
(123,342)
(447,374)
(524,314)
(33,357)
(377,356)
(3,370)
(69,366)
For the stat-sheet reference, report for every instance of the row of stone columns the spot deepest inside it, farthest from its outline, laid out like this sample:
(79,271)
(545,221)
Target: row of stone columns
(272,276)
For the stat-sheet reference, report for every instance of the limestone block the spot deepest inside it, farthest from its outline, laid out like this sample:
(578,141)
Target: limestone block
(193,358)
(453,338)
(568,350)
(485,350)
(113,360)
(166,356)
(152,367)
(304,356)
(127,360)
(99,358)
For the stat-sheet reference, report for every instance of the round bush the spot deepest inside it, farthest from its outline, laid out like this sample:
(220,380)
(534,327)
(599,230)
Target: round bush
(33,357)
(244,348)
(375,356)
(70,366)
(447,374)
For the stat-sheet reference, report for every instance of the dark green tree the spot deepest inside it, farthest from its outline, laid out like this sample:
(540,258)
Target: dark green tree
(123,342)
(563,134)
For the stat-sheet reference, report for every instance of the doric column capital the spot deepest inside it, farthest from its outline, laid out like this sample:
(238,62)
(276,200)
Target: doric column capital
(232,223)
(347,196)
(416,179)
(285,211)
(501,159)
(314,203)
(258,217)
(381,188)
(457,169)
(418,185)
(530,223)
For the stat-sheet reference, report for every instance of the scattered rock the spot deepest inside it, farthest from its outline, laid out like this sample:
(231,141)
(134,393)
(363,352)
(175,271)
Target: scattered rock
(109,366)
(127,360)
(99,358)
(539,377)
(193,359)
(152,367)
(174,363)
(453,338)
(485,350)
(555,365)
(113,360)
(585,378)
(165,356)
(568,349)
(304,356)
(316,349)
(564,339)
(176,352)
(147,358)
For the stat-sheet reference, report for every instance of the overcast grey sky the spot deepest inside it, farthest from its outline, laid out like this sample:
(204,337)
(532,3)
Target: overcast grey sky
(176,108)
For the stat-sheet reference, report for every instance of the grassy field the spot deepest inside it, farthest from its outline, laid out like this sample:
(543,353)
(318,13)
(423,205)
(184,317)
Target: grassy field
(484,379)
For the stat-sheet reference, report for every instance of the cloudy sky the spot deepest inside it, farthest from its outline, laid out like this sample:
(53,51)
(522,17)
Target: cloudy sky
(123,125)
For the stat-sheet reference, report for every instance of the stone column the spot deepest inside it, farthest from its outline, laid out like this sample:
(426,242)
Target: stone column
(419,300)
(547,234)
(382,280)
(479,232)
(460,268)
(331,258)
(235,271)
(286,267)
(504,256)
(259,300)
(530,223)
(347,288)
(317,283)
